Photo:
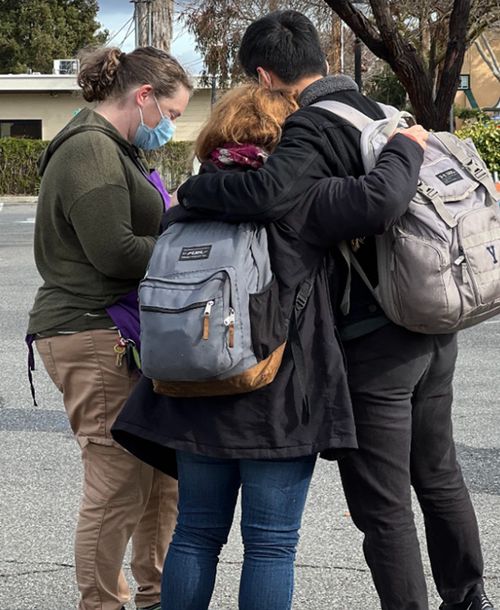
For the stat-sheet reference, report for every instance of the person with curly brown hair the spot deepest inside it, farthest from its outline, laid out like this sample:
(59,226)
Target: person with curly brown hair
(263,444)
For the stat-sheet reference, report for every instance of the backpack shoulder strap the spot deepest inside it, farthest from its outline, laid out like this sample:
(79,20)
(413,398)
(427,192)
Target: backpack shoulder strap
(360,121)
(389,111)
(352,262)
(346,112)
(301,298)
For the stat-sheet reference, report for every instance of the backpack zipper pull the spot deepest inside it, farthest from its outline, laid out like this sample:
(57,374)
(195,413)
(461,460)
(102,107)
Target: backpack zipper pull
(462,261)
(229,322)
(206,320)
(463,267)
(465,275)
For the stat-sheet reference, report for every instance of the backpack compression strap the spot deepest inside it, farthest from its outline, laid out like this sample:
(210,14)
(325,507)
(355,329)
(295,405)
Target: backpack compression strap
(301,298)
(359,121)
(477,171)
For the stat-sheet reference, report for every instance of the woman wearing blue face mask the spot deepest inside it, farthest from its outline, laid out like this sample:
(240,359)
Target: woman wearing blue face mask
(149,138)
(98,215)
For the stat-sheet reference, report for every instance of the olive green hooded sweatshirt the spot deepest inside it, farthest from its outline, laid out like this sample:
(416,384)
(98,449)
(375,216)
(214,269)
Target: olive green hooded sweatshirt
(96,224)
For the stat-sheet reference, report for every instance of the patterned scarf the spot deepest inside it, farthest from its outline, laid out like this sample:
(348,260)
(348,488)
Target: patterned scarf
(241,155)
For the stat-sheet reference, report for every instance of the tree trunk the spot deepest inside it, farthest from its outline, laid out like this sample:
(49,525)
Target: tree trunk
(386,42)
(155,23)
(335,45)
(452,65)
(142,22)
(418,85)
(162,13)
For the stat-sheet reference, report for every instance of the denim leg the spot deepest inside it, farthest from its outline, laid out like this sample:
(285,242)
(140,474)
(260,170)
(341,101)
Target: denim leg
(273,495)
(450,522)
(208,490)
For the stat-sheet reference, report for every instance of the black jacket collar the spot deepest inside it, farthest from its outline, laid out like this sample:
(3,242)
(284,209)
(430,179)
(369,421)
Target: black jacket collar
(326,86)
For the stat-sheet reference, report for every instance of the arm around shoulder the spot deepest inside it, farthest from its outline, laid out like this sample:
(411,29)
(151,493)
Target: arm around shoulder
(346,208)
(266,194)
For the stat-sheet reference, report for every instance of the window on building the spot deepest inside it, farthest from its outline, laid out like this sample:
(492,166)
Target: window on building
(21,128)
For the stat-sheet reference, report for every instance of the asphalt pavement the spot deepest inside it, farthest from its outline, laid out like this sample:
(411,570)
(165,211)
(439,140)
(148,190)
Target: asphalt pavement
(40,473)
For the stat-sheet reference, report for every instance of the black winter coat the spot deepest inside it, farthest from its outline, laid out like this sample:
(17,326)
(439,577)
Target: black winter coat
(272,422)
(315,144)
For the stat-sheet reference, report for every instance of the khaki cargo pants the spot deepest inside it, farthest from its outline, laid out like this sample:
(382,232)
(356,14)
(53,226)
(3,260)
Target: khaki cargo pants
(123,498)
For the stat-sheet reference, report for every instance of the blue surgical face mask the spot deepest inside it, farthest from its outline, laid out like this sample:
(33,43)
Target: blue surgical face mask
(149,138)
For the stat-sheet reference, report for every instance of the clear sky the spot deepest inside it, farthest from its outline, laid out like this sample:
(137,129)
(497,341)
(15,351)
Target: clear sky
(117,17)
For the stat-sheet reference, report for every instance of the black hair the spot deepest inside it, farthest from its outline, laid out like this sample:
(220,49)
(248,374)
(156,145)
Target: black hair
(285,42)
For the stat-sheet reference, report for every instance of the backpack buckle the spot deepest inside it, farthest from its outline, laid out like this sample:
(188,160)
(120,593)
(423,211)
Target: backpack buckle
(303,295)
(428,191)
(300,301)
(476,170)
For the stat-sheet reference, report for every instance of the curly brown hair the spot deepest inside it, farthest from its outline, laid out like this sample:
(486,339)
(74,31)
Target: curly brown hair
(248,114)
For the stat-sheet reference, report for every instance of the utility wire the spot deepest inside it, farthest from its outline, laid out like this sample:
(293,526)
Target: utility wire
(129,32)
(131,20)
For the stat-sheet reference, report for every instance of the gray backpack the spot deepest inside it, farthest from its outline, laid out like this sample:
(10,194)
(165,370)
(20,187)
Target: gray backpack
(439,265)
(211,321)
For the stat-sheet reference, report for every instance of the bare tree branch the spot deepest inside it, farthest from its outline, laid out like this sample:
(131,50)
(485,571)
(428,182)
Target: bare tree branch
(424,42)
(488,56)
(361,25)
(452,65)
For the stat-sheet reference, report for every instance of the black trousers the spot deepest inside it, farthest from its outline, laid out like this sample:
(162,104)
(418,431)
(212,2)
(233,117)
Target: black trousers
(401,386)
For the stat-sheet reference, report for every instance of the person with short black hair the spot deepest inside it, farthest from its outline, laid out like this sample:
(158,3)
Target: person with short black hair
(400,381)
(288,43)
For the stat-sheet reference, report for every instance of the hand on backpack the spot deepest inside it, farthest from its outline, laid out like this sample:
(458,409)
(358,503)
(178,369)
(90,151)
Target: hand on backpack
(416,133)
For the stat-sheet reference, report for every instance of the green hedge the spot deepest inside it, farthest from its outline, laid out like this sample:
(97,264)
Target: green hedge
(486,137)
(19,171)
(18,166)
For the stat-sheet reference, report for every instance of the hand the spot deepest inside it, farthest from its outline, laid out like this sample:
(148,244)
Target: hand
(173,199)
(416,133)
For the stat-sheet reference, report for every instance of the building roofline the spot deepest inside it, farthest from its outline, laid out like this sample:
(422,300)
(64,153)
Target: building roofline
(13,83)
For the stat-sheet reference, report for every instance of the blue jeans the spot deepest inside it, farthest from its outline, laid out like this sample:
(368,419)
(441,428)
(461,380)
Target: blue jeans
(273,495)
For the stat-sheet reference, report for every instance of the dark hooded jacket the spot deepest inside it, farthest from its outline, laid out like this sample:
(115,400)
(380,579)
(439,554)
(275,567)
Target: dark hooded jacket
(274,422)
(96,225)
(315,144)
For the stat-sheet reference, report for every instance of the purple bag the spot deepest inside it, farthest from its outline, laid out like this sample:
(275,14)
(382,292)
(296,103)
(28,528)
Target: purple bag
(157,182)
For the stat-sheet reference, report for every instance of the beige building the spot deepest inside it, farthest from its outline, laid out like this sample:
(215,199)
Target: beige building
(39,105)
(484,86)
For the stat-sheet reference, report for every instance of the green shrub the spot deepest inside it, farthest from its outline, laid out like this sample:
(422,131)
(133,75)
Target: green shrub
(18,166)
(173,162)
(486,137)
(385,87)
(19,170)
(470,114)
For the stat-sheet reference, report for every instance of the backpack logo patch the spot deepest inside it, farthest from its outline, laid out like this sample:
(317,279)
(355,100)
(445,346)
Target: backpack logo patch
(449,176)
(195,253)
(492,251)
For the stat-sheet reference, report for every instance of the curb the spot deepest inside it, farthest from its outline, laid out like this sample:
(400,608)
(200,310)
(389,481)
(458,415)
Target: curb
(17,199)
